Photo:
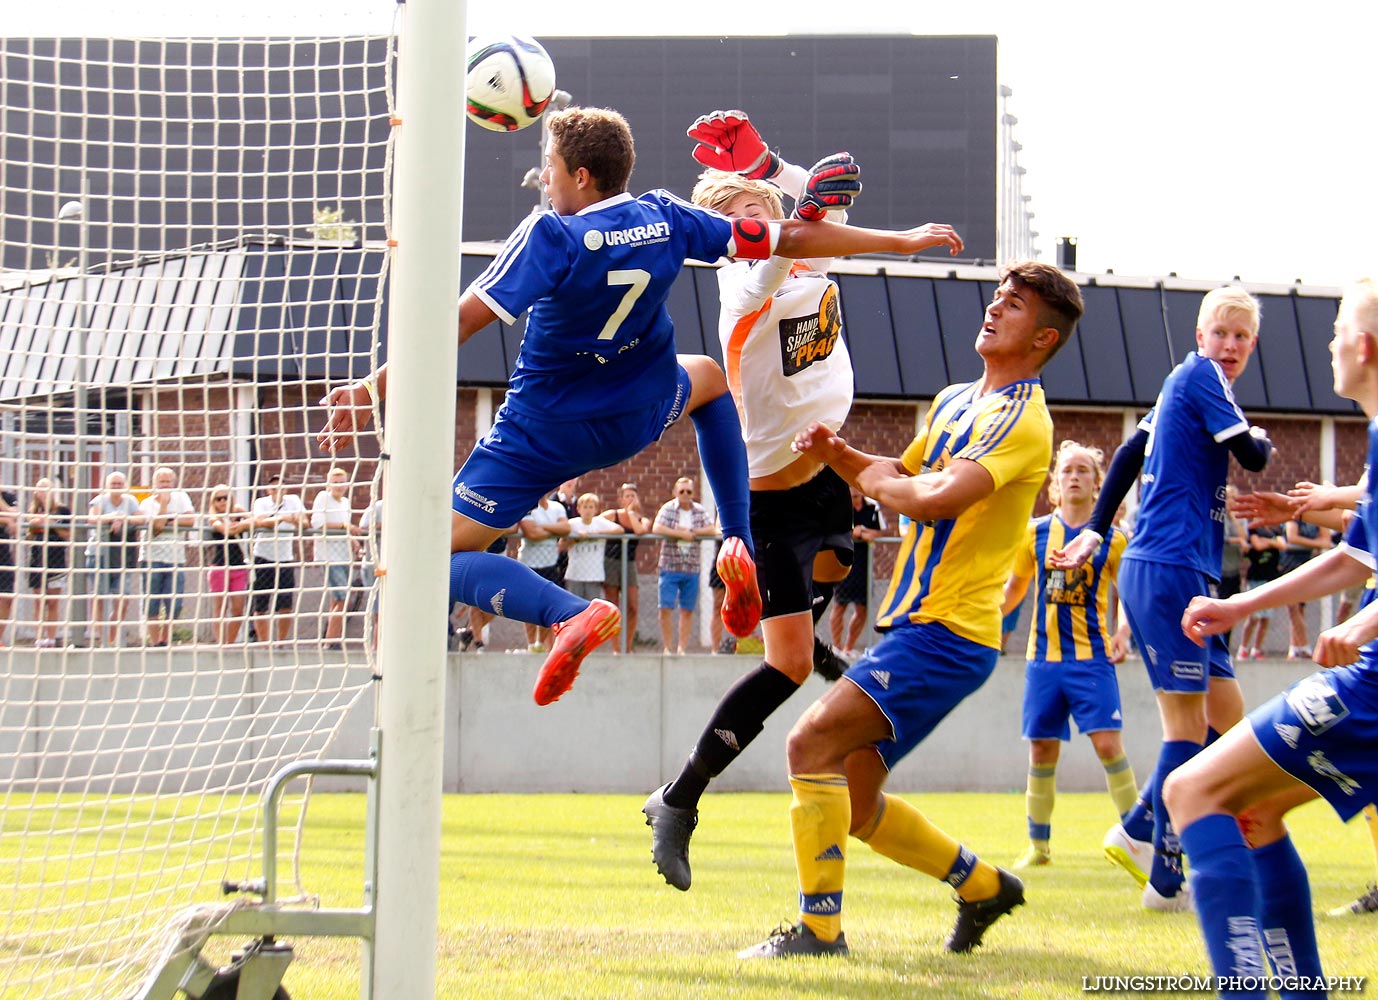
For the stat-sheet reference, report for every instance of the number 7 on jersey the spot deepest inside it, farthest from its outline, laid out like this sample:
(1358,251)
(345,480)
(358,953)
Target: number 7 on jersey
(636,280)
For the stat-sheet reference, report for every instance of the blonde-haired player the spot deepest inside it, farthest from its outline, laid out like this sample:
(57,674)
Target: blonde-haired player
(1070,668)
(1183,447)
(787,365)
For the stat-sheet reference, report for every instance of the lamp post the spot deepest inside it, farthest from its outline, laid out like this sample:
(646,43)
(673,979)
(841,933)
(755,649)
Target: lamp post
(559,100)
(75,211)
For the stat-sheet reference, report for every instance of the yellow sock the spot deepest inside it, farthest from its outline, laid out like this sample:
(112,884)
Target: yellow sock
(1038,801)
(903,834)
(1119,778)
(820,816)
(1371,814)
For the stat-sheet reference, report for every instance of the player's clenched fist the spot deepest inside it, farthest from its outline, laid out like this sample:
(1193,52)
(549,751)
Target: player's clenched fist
(728,141)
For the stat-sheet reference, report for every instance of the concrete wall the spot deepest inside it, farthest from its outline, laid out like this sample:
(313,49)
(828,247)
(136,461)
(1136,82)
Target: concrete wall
(629,721)
(173,723)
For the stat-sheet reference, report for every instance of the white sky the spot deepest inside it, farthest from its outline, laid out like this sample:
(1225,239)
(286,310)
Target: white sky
(1208,138)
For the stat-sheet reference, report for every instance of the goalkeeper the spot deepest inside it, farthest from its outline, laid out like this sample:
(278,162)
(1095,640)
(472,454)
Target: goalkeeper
(597,378)
(787,365)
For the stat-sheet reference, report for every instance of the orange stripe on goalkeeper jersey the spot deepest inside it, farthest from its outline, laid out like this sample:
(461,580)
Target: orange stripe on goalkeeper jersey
(735,342)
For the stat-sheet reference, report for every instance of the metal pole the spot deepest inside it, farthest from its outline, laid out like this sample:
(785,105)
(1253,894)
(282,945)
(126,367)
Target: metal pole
(79,610)
(419,438)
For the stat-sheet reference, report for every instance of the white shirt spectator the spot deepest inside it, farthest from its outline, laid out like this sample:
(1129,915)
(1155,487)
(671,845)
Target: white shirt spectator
(169,545)
(544,552)
(276,544)
(333,545)
(586,557)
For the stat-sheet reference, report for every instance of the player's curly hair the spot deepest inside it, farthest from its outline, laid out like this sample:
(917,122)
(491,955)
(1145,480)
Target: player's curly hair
(716,189)
(1061,298)
(1070,447)
(597,139)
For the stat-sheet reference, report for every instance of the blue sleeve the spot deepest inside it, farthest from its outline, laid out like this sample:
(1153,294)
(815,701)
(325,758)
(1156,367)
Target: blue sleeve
(1220,414)
(707,234)
(531,264)
(1119,478)
(1356,535)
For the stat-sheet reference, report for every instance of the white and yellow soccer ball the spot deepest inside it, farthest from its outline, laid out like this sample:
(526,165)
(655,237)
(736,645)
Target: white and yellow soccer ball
(511,79)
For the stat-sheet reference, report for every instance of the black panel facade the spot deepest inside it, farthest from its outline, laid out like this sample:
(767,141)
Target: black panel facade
(918,113)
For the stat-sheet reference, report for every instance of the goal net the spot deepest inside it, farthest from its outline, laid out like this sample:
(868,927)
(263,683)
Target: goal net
(192,252)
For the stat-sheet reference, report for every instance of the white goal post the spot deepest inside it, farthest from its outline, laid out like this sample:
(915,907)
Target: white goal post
(199,238)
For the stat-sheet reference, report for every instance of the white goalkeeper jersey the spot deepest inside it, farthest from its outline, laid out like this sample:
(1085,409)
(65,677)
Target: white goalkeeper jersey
(787,364)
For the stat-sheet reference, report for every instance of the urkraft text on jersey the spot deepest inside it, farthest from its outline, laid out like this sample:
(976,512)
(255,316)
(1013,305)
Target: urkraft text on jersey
(656,231)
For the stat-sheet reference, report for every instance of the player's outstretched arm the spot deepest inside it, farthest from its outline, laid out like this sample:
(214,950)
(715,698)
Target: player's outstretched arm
(1263,509)
(800,239)
(350,407)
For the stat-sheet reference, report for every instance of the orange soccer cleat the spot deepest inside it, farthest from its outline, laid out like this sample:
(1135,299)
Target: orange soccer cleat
(573,640)
(741,606)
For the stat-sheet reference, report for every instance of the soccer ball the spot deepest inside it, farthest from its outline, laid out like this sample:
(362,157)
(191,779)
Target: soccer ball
(511,80)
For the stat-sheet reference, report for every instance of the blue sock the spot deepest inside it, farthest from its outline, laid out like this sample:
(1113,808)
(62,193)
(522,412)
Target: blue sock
(1138,822)
(723,454)
(508,589)
(1289,932)
(1225,886)
(1166,876)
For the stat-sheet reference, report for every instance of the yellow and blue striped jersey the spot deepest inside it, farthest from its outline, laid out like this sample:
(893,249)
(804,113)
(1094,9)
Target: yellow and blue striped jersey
(954,571)
(1071,620)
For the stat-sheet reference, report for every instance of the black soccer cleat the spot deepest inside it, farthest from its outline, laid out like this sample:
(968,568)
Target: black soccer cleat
(1367,903)
(826,663)
(789,942)
(974,918)
(671,828)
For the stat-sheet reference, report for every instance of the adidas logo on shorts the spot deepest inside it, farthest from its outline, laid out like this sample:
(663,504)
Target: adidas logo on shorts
(881,677)
(1289,734)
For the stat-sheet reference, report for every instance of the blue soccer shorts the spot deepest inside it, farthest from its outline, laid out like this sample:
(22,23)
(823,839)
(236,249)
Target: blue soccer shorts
(917,674)
(1323,731)
(525,457)
(1154,597)
(1084,690)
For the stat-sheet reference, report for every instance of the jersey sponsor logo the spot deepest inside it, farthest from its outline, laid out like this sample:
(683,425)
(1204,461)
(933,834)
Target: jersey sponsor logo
(1187,670)
(1322,766)
(833,853)
(728,737)
(478,500)
(1316,704)
(1071,587)
(1288,734)
(807,339)
(634,236)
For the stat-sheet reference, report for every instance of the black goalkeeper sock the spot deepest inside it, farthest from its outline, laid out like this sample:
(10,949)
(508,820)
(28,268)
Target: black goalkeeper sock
(738,719)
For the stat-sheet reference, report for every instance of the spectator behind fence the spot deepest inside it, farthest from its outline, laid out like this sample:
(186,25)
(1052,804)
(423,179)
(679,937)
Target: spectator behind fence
(618,557)
(167,513)
(114,514)
(48,527)
(1265,558)
(370,540)
(868,524)
(9,521)
(584,575)
(277,516)
(227,577)
(1304,541)
(684,523)
(331,518)
(541,532)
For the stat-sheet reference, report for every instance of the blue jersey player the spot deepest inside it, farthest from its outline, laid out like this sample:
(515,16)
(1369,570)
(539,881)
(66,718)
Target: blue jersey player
(1183,446)
(1316,739)
(597,378)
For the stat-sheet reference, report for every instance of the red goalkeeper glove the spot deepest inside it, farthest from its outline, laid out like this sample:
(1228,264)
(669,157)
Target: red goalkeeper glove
(834,182)
(728,141)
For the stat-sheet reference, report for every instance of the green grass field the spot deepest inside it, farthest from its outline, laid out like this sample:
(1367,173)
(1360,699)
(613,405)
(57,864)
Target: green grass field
(555,896)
